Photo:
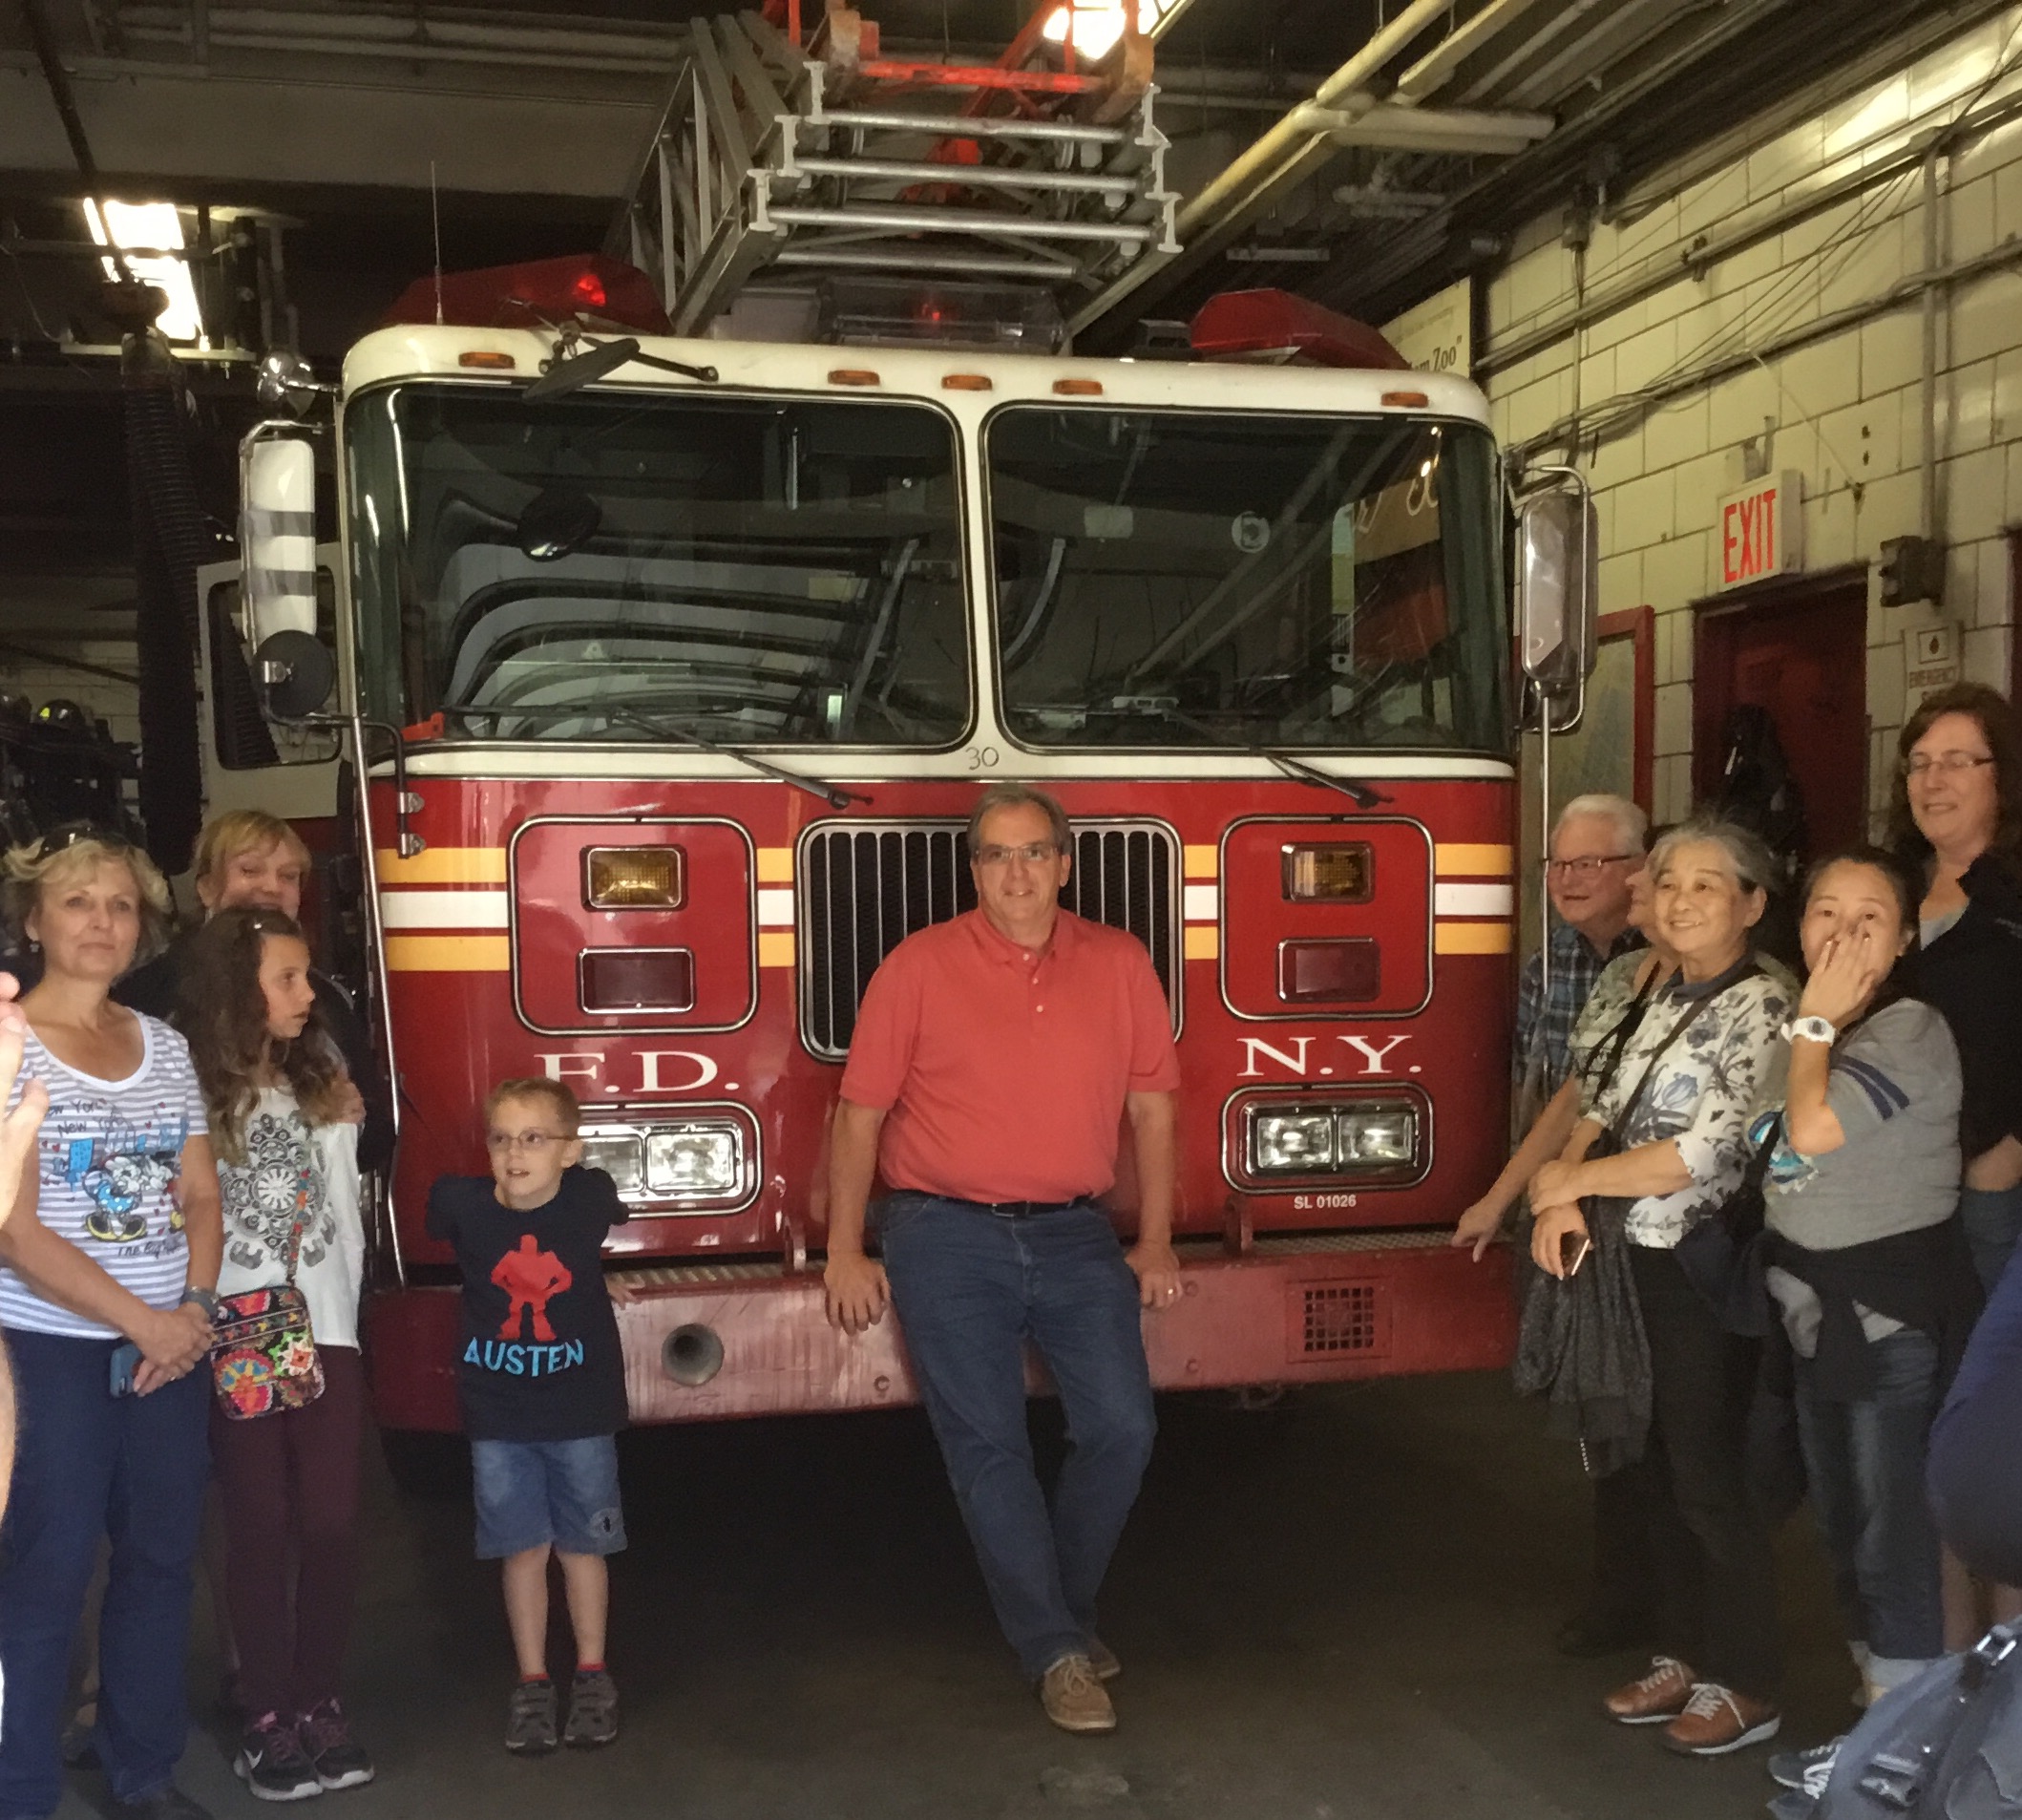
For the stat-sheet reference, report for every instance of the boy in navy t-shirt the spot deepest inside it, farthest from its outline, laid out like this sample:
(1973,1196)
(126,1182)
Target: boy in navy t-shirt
(543,1383)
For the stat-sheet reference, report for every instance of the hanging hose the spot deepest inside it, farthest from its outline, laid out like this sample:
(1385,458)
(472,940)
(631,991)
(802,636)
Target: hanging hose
(169,542)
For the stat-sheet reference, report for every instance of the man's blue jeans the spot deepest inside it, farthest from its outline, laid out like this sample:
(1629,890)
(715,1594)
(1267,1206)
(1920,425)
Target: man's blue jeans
(970,1289)
(91,1464)
(1865,1462)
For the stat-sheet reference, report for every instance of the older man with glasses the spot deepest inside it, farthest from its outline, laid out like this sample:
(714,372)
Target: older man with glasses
(1596,846)
(995,1059)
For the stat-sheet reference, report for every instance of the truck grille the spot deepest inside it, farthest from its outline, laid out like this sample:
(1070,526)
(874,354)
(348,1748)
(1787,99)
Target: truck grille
(1338,1317)
(866,886)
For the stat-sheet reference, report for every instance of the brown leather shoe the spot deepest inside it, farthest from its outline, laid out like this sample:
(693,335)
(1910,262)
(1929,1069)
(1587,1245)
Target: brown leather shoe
(1717,1720)
(1103,1660)
(1074,1699)
(1657,1699)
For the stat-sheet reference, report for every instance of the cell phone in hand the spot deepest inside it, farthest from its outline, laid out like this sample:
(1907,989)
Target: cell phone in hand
(126,1361)
(1573,1248)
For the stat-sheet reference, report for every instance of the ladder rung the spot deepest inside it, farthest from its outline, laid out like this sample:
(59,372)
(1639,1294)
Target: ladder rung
(917,217)
(960,127)
(964,175)
(908,259)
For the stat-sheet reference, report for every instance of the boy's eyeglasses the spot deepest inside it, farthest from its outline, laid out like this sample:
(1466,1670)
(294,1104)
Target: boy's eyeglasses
(503,1143)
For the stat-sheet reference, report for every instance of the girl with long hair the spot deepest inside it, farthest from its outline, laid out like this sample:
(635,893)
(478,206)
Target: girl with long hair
(278,1098)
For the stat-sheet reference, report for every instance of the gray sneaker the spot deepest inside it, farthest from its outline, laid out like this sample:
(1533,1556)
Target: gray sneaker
(592,1710)
(1807,1769)
(530,1719)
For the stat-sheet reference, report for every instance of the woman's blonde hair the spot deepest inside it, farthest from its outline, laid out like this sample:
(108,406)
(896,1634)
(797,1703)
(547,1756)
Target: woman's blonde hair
(225,837)
(26,871)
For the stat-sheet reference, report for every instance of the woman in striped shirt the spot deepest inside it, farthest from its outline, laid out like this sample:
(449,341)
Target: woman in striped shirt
(108,1269)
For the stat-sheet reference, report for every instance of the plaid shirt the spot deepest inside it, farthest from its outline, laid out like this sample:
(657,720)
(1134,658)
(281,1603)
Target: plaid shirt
(1544,1027)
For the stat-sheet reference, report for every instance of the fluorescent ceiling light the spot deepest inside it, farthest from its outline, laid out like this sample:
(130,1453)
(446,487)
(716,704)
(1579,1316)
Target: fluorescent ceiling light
(151,224)
(1098,23)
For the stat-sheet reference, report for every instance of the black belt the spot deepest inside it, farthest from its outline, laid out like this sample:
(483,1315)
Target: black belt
(1021,1209)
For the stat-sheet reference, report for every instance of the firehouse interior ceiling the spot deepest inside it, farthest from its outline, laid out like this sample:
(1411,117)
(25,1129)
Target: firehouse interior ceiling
(1361,152)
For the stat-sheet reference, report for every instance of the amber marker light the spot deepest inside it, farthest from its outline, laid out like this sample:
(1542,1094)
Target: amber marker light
(965,382)
(1332,874)
(1406,400)
(633,877)
(1079,388)
(854,377)
(486,360)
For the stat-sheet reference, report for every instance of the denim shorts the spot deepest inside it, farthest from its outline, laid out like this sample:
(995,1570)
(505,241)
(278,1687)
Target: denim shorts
(534,1493)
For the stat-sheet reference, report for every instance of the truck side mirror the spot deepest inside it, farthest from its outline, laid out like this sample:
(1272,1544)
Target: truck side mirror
(1558,591)
(277,548)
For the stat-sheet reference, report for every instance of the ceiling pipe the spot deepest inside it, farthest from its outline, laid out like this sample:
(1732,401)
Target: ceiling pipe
(1288,151)
(1456,130)
(57,77)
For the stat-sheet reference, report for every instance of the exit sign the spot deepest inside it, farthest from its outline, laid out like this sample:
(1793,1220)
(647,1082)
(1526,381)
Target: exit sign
(1759,531)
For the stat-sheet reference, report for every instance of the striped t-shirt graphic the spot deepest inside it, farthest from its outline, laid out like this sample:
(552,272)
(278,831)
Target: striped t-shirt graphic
(109,1167)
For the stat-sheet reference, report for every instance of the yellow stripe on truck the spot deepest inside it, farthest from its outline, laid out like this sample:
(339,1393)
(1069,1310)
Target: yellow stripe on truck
(444,866)
(1471,937)
(775,865)
(1467,860)
(775,948)
(448,954)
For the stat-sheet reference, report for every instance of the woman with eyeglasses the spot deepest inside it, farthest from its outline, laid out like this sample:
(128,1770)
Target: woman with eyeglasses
(287,1162)
(1955,817)
(108,1271)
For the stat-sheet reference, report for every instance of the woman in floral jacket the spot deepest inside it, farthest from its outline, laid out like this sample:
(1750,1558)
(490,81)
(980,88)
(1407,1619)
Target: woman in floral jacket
(1674,1111)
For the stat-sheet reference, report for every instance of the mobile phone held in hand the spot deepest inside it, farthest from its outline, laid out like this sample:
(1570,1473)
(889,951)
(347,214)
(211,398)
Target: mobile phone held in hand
(126,1361)
(1573,1248)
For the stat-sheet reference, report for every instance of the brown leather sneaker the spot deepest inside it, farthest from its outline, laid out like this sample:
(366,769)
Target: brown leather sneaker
(1717,1720)
(1074,1699)
(1657,1699)
(1103,1660)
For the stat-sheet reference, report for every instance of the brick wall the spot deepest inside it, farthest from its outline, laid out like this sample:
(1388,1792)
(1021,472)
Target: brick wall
(1845,410)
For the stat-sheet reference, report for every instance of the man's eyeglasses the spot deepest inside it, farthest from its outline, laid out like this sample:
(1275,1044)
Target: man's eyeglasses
(1033,853)
(1587,865)
(503,1143)
(1922,764)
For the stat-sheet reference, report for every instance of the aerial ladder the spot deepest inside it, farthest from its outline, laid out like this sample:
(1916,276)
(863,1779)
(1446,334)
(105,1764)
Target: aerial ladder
(825,160)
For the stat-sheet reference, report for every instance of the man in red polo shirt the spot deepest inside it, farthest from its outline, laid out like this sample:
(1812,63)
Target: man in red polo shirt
(995,1061)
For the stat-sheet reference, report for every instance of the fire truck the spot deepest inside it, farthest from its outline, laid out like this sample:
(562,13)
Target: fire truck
(668,667)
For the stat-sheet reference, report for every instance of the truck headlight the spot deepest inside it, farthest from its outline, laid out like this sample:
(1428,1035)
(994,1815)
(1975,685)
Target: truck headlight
(1331,1139)
(1297,1142)
(696,1160)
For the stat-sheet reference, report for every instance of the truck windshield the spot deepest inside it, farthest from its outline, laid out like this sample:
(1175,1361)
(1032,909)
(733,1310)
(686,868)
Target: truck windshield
(756,571)
(1233,580)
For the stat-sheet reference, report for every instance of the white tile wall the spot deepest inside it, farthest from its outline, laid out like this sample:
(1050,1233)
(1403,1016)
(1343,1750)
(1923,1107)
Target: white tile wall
(1845,411)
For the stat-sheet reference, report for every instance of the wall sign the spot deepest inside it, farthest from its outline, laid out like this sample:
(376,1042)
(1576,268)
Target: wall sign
(1930,662)
(1438,335)
(1759,531)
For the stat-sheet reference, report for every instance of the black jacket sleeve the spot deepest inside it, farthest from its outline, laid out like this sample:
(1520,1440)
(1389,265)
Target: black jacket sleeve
(354,1042)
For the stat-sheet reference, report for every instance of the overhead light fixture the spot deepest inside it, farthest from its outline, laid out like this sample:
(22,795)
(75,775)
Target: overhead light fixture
(157,229)
(1097,25)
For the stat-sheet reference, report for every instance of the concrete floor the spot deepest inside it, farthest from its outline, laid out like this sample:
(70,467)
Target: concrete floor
(1338,1607)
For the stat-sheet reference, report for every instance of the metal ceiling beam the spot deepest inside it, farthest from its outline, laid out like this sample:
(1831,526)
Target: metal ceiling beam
(1436,130)
(1283,156)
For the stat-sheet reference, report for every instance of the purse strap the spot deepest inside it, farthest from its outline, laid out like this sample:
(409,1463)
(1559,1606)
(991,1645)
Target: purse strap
(1620,1122)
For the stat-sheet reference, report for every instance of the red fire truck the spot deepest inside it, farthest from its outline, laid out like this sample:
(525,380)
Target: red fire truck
(673,668)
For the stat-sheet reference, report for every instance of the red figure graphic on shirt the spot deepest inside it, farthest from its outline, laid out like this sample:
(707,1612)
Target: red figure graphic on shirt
(529,1277)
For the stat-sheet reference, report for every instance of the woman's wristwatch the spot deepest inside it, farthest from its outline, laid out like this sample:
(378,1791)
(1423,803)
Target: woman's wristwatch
(204,1298)
(1811,1030)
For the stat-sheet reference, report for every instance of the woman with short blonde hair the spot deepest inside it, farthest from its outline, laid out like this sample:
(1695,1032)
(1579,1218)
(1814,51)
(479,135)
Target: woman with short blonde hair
(108,1274)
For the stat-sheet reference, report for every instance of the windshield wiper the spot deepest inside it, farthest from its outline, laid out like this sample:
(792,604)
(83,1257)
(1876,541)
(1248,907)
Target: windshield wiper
(1363,795)
(833,795)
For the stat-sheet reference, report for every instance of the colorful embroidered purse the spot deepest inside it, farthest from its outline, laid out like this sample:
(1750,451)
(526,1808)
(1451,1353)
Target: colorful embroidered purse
(264,1355)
